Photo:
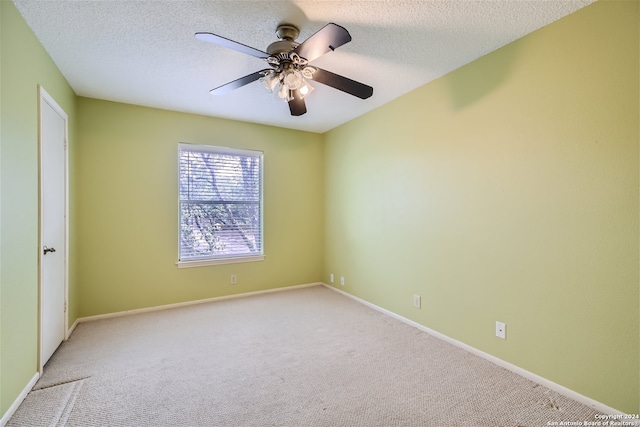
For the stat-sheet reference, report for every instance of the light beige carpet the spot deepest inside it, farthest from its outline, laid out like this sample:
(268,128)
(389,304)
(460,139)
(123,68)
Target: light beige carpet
(303,357)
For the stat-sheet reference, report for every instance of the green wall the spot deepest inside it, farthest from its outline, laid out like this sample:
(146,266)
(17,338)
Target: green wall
(507,190)
(127,222)
(24,65)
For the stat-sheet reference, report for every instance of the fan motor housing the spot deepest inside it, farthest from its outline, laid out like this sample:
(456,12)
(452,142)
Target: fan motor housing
(282,46)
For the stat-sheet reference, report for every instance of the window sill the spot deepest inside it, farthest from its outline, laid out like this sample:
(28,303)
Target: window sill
(220,261)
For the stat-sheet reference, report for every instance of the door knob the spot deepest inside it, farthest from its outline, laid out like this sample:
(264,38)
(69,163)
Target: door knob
(46,250)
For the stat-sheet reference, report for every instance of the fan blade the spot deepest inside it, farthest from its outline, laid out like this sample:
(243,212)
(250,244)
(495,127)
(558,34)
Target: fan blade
(330,37)
(228,87)
(344,84)
(230,44)
(297,105)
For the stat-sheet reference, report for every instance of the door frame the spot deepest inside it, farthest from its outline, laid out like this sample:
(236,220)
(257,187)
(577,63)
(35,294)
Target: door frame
(44,97)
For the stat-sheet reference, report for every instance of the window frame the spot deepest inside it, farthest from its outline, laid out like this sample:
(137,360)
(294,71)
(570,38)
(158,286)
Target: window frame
(229,259)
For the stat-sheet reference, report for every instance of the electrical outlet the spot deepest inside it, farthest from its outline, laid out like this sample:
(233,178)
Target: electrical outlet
(417,301)
(331,277)
(234,279)
(501,330)
(342,280)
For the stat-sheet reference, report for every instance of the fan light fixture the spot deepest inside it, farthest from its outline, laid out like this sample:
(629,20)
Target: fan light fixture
(290,74)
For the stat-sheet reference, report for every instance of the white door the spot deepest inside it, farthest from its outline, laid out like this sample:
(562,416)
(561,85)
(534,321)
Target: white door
(53,233)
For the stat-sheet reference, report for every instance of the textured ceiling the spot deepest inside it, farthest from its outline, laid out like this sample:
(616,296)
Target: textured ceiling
(145,53)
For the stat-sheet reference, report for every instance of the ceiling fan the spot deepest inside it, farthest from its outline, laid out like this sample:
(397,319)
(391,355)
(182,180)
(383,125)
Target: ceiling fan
(290,72)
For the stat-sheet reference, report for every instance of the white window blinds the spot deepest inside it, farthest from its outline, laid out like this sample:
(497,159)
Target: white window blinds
(220,203)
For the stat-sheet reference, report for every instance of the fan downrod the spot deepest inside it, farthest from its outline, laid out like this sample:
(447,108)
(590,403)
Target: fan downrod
(287,34)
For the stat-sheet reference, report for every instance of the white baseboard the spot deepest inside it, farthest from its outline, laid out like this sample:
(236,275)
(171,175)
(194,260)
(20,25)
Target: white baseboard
(72,328)
(186,303)
(16,404)
(600,407)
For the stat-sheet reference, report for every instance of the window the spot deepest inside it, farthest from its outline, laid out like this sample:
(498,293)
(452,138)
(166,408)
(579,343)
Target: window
(220,205)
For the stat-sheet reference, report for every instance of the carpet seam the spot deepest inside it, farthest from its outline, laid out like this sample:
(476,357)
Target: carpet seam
(59,383)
